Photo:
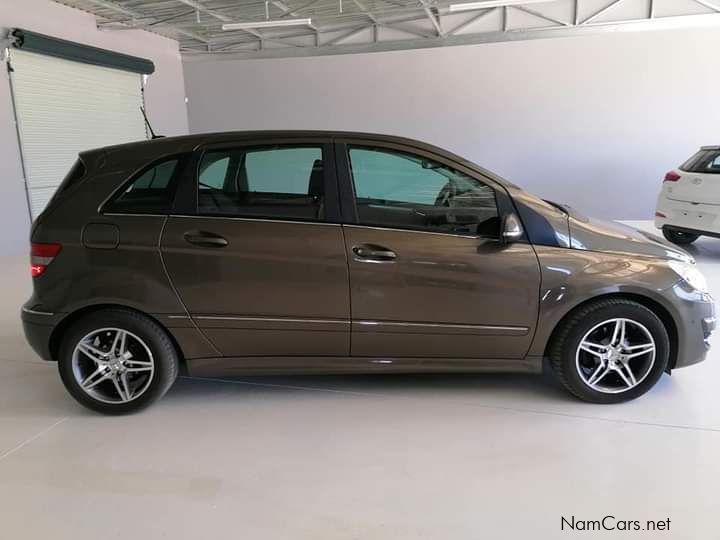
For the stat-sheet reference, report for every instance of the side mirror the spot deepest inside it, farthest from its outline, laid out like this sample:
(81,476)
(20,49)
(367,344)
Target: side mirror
(511,229)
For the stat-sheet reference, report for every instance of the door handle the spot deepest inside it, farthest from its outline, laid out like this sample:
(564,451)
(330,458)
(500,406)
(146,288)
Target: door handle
(373,253)
(205,239)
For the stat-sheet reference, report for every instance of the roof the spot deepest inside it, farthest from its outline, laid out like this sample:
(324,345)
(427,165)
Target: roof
(190,142)
(155,148)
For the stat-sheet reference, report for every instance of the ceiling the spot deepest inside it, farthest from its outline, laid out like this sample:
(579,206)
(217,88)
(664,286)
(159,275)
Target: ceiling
(345,26)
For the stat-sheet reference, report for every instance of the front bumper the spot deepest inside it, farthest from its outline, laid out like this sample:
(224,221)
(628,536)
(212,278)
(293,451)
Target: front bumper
(695,323)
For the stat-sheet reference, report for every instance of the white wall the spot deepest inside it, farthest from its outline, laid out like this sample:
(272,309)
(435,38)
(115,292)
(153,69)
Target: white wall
(594,121)
(164,95)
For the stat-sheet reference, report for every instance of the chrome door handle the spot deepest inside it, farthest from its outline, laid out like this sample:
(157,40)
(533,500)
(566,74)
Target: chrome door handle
(373,253)
(205,239)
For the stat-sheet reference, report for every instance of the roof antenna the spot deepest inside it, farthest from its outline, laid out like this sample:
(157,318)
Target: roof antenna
(147,123)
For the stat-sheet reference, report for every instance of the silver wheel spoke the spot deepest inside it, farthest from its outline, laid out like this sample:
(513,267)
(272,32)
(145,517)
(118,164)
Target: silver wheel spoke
(125,386)
(118,346)
(120,390)
(618,336)
(96,355)
(641,350)
(593,348)
(138,369)
(626,375)
(131,362)
(95,378)
(598,374)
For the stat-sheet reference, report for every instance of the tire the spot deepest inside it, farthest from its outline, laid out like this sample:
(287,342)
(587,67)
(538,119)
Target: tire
(596,323)
(679,237)
(141,370)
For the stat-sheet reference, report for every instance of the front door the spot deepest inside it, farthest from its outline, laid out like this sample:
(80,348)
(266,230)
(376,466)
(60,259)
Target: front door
(429,278)
(260,266)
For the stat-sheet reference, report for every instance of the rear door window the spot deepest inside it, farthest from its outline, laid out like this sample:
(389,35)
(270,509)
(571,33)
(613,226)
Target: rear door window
(272,182)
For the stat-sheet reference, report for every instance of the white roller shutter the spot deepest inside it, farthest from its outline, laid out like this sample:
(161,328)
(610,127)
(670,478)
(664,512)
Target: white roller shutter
(64,107)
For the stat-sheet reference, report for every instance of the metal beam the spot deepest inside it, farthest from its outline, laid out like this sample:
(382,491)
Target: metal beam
(365,11)
(539,15)
(412,31)
(226,19)
(282,6)
(138,15)
(434,18)
(473,20)
(296,11)
(659,23)
(347,35)
(708,5)
(601,12)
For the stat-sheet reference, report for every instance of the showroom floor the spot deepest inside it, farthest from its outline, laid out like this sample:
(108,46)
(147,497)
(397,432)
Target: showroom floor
(370,457)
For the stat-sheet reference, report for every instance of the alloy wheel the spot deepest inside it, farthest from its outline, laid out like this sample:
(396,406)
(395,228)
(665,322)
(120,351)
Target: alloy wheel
(113,365)
(615,355)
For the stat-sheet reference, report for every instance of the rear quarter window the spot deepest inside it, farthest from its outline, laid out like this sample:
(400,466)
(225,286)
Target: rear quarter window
(74,175)
(150,192)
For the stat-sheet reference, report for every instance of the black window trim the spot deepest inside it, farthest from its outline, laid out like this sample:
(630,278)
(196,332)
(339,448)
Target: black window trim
(173,184)
(188,205)
(347,187)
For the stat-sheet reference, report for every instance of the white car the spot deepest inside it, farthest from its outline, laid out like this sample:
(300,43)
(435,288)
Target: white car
(689,204)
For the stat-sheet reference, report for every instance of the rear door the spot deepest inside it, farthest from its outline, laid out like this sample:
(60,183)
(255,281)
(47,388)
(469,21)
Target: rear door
(429,278)
(259,260)
(698,180)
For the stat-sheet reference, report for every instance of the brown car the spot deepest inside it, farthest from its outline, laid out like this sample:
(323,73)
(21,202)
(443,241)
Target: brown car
(329,252)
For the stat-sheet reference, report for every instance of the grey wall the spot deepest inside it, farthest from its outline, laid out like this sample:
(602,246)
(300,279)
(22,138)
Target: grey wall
(595,121)
(164,95)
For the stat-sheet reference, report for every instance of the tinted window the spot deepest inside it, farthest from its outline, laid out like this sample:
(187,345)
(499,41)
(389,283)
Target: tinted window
(149,192)
(401,190)
(705,161)
(282,182)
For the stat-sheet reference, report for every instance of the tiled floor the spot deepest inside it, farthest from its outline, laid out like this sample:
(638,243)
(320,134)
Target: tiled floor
(396,457)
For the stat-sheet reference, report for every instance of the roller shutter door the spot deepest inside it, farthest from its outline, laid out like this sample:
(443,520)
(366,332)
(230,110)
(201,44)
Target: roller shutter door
(64,107)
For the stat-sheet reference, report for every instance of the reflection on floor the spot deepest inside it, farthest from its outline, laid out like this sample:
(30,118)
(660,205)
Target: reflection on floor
(501,456)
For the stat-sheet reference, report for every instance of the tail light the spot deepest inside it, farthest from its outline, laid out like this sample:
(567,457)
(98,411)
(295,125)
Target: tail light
(672,176)
(660,215)
(41,255)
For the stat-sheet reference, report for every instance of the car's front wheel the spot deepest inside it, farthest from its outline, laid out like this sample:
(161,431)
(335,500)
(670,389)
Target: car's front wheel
(117,361)
(679,237)
(610,351)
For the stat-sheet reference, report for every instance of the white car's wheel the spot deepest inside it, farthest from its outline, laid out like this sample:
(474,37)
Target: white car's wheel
(679,237)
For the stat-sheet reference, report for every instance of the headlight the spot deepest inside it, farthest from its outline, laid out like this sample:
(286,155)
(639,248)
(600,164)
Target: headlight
(690,274)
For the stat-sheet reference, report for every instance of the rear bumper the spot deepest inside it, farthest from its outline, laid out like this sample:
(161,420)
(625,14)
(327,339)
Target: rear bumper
(698,218)
(38,326)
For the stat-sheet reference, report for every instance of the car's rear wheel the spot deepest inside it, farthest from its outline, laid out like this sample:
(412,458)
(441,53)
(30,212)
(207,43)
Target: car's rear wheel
(117,361)
(610,351)
(679,237)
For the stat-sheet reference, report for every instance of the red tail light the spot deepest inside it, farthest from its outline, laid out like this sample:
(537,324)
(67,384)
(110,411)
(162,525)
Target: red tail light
(41,255)
(672,176)
(660,215)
